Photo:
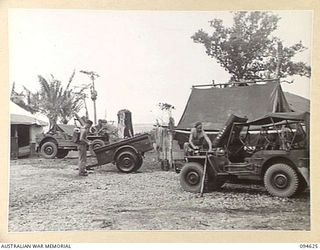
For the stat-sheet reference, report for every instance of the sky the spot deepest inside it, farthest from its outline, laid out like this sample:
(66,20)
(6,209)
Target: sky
(142,57)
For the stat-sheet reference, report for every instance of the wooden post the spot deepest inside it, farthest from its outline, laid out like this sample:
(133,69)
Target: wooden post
(94,98)
(171,128)
(170,149)
(94,93)
(14,148)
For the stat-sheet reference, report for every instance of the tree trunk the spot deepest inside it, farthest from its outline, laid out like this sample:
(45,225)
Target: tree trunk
(52,121)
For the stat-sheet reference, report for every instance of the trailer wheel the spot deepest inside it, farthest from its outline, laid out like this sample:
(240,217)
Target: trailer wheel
(281,180)
(139,162)
(191,176)
(62,153)
(49,150)
(126,162)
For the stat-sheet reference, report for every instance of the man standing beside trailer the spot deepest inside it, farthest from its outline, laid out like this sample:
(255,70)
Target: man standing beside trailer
(82,148)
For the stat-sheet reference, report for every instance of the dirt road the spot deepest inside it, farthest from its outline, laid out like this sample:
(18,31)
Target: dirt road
(47,195)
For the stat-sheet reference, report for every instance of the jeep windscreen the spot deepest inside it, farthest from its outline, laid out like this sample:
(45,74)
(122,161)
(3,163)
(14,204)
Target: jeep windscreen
(223,137)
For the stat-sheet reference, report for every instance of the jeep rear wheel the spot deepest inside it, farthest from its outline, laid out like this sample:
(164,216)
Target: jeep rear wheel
(281,180)
(49,150)
(190,177)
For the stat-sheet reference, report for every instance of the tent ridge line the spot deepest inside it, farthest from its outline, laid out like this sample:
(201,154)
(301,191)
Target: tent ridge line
(234,83)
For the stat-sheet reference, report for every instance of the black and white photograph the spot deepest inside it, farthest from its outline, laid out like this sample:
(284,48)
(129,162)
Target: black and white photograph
(149,120)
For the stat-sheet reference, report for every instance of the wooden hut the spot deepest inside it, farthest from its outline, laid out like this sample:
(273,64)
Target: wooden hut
(23,130)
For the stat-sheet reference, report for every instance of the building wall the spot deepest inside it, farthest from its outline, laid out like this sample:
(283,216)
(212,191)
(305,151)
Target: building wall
(23,136)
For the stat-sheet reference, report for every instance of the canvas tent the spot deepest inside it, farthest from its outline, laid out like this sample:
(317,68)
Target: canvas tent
(212,106)
(297,103)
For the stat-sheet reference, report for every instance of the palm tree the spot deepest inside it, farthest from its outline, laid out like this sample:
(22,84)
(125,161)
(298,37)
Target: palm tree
(55,101)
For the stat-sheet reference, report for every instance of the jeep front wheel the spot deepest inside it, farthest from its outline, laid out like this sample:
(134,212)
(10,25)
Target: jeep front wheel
(49,150)
(281,180)
(190,177)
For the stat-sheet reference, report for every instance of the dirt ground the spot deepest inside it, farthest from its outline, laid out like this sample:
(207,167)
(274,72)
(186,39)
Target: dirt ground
(47,195)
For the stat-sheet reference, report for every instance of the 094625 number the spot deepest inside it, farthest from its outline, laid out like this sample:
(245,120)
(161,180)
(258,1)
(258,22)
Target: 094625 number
(308,246)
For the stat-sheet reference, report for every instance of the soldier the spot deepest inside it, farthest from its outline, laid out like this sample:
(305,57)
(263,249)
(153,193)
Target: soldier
(82,148)
(98,127)
(197,138)
(102,129)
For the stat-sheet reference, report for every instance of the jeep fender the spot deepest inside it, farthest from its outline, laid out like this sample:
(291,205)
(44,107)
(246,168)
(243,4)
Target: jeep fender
(45,139)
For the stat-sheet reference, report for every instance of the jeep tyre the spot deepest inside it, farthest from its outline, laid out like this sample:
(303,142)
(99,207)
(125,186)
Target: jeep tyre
(49,150)
(281,180)
(191,176)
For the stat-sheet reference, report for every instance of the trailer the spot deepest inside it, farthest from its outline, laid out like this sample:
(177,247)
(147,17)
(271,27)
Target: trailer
(126,154)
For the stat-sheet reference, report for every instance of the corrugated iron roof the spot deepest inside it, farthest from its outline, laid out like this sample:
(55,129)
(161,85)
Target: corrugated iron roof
(26,120)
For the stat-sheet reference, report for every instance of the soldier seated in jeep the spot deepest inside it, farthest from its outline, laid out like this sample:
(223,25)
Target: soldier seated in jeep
(197,139)
(101,129)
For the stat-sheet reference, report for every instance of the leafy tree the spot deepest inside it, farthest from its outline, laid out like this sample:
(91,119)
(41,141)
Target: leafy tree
(53,100)
(248,51)
(165,106)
